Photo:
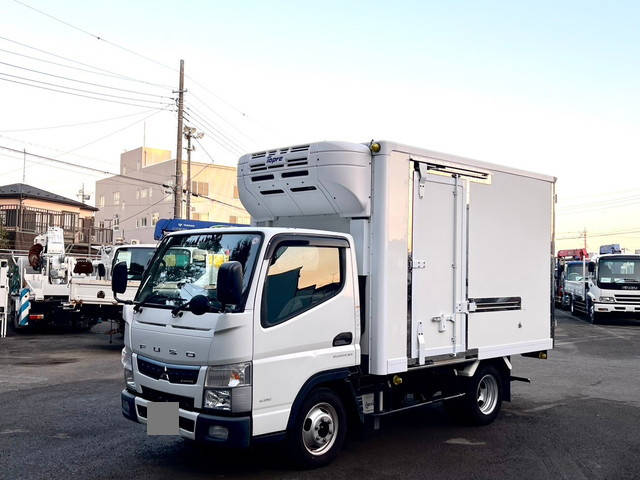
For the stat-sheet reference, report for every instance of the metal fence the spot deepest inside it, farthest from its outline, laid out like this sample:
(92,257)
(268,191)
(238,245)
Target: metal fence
(77,230)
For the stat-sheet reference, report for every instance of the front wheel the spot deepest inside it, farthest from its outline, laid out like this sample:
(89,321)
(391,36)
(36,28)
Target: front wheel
(592,315)
(320,429)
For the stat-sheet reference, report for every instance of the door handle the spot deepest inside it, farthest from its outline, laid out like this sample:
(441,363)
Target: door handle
(344,338)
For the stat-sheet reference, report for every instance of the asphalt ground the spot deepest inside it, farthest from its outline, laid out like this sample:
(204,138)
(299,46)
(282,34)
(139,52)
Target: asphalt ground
(579,418)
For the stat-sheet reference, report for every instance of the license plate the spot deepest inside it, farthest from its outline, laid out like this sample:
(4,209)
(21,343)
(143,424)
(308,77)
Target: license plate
(162,418)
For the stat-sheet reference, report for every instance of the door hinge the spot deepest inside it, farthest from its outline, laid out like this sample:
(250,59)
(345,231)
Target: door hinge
(418,264)
(422,346)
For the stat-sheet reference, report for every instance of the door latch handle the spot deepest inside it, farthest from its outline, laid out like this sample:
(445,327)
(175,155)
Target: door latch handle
(344,338)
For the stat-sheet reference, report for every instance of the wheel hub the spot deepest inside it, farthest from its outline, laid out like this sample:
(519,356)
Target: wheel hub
(319,428)
(487,394)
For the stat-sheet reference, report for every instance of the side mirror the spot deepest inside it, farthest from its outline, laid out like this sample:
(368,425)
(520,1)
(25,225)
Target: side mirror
(199,305)
(119,278)
(591,266)
(230,283)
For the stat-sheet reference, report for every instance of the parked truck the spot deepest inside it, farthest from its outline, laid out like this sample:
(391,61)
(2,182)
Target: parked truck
(39,284)
(90,285)
(609,288)
(570,266)
(372,282)
(4,296)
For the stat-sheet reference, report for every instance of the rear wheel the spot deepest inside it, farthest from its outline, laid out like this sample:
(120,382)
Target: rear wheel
(572,307)
(483,397)
(318,433)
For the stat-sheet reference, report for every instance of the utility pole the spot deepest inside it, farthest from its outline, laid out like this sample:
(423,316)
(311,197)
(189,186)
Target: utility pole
(584,234)
(177,206)
(89,221)
(189,133)
(24,176)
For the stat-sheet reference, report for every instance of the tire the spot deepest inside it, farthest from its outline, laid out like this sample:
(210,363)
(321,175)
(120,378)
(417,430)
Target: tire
(483,397)
(572,307)
(592,315)
(319,430)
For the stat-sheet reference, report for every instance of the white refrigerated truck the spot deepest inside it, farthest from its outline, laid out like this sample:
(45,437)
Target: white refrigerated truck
(373,281)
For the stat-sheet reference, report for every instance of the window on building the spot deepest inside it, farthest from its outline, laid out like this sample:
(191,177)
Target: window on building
(116,198)
(233,219)
(235,192)
(154,218)
(204,216)
(299,278)
(116,220)
(200,188)
(150,192)
(122,205)
(143,193)
(101,201)
(143,221)
(137,194)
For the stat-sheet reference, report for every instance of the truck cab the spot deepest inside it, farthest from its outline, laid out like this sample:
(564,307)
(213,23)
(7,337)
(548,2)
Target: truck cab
(613,287)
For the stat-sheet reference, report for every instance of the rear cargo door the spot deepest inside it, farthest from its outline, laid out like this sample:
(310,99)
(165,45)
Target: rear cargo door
(437,267)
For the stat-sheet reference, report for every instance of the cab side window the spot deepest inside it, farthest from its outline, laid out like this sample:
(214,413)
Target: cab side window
(299,278)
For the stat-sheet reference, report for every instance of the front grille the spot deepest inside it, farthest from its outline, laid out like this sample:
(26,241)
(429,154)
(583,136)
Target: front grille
(186,403)
(174,374)
(635,299)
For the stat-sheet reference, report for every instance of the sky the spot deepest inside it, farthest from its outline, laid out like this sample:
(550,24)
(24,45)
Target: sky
(551,87)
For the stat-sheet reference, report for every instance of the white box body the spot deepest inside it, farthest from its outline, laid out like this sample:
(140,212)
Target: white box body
(446,275)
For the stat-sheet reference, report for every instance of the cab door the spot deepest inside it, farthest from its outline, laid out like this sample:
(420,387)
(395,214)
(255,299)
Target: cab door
(306,321)
(437,265)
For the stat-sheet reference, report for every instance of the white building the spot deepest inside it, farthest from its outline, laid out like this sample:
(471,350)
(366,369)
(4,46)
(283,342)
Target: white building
(132,207)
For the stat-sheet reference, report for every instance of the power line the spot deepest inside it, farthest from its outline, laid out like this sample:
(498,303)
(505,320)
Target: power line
(79,124)
(113,133)
(206,105)
(146,208)
(82,90)
(605,234)
(97,37)
(101,71)
(213,132)
(84,82)
(210,122)
(104,172)
(76,94)
(130,51)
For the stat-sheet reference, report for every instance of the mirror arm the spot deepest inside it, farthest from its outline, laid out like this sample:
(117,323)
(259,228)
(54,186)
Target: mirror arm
(119,300)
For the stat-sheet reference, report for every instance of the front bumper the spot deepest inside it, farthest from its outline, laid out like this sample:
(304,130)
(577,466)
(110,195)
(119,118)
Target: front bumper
(621,308)
(193,425)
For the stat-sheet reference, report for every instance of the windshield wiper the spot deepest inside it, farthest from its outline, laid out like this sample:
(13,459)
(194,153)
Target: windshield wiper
(138,306)
(631,280)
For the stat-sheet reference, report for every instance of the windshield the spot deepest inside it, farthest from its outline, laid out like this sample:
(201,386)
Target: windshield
(136,260)
(575,272)
(619,270)
(187,265)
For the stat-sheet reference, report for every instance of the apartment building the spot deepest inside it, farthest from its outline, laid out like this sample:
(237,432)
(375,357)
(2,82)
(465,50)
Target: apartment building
(132,208)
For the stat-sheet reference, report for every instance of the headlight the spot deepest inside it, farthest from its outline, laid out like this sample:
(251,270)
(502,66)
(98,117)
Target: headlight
(228,388)
(229,375)
(606,299)
(128,369)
